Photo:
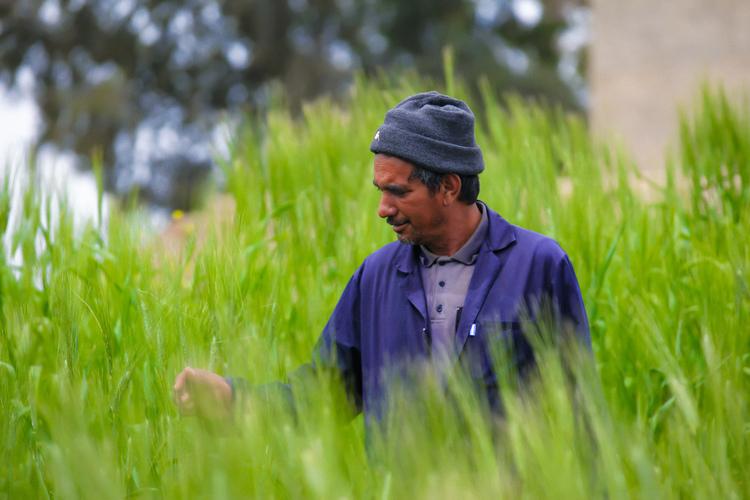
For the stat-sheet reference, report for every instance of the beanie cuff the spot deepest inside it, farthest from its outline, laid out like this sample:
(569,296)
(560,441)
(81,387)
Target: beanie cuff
(435,155)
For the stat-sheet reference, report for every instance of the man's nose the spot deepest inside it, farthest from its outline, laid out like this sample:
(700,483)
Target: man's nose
(386,209)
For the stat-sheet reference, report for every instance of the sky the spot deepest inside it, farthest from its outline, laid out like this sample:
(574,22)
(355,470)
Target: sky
(19,127)
(56,175)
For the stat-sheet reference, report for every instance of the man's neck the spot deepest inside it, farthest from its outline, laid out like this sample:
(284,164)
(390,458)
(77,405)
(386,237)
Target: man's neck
(461,223)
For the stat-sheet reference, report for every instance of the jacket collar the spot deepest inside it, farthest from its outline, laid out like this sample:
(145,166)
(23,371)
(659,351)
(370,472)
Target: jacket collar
(501,233)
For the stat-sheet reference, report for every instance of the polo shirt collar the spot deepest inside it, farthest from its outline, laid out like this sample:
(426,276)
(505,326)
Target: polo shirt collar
(467,254)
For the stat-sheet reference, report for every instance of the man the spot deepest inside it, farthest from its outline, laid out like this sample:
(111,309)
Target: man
(459,280)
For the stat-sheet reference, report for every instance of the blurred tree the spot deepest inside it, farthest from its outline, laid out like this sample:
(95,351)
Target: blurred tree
(144,79)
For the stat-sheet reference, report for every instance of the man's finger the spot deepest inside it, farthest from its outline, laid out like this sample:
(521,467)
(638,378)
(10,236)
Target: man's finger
(181,391)
(186,406)
(182,378)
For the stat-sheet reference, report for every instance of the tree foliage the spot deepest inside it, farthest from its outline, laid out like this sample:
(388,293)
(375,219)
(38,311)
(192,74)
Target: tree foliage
(144,79)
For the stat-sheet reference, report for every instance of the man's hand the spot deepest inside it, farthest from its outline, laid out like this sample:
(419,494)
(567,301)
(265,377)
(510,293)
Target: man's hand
(203,393)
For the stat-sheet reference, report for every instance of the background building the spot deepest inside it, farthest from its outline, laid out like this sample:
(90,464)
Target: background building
(648,59)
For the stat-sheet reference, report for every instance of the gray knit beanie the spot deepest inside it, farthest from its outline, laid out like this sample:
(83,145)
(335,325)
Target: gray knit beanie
(432,130)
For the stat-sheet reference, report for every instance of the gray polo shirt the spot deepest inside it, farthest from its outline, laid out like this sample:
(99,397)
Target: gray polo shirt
(446,281)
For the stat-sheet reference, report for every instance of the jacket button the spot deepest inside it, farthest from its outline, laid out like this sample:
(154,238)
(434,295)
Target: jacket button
(439,308)
(442,283)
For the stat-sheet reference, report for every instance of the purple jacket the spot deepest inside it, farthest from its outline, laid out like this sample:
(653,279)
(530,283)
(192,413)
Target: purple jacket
(381,321)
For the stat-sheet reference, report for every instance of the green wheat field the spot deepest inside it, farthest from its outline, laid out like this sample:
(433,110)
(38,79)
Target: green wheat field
(97,321)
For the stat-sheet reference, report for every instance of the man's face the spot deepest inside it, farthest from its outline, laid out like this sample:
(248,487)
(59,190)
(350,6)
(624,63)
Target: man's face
(416,215)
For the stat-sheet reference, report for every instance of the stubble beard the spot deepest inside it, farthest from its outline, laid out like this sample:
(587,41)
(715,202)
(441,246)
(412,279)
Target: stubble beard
(406,240)
(416,237)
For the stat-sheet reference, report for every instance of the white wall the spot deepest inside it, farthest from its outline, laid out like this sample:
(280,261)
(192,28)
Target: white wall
(648,57)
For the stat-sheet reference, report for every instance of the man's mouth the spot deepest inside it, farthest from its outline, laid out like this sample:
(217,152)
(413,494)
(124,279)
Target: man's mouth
(398,225)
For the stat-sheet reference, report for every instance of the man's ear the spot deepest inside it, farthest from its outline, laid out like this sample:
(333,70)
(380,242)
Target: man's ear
(450,187)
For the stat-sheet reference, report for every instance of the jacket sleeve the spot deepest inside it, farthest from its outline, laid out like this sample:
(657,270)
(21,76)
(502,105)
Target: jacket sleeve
(338,347)
(568,303)
(337,351)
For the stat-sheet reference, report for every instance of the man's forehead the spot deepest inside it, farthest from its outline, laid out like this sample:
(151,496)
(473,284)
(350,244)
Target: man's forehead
(389,176)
